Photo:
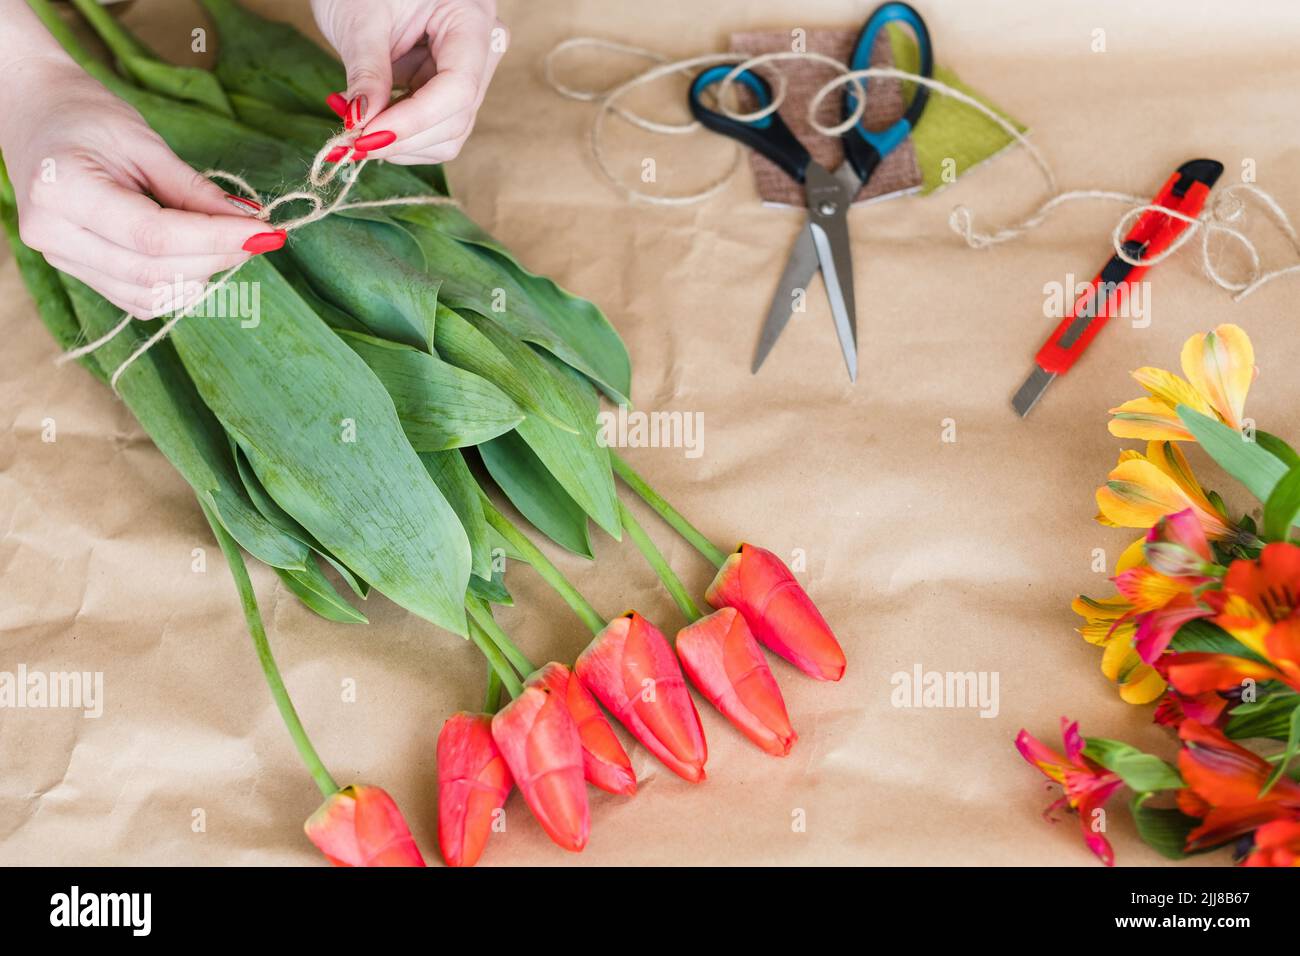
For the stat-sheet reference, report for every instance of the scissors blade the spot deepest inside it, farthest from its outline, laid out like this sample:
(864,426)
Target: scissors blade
(828,206)
(799,270)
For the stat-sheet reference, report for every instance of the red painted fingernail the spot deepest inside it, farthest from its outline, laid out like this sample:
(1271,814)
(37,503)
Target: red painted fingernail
(335,154)
(265,242)
(375,140)
(358,155)
(356,112)
(244,205)
(338,103)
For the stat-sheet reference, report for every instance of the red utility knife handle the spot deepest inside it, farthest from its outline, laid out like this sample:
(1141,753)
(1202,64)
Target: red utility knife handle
(1185,192)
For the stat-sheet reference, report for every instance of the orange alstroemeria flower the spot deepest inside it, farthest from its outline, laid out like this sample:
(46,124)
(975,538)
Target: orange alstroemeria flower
(1223,784)
(1142,489)
(361,826)
(1276,844)
(1219,366)
(1259,606)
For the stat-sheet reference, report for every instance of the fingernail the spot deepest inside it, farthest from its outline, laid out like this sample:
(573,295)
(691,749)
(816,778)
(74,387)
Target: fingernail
(375,140)
(335,154)
(265,242)
(338,103)
(247,206)
(356,112)
(358,155)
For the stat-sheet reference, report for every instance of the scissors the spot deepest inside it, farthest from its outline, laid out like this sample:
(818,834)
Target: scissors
(824,243)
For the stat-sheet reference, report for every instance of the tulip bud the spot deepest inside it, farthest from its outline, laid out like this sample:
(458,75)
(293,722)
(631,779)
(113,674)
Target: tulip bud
(632,669)
(780,615)
(473,783)
(361,826)
(723,660)
(540,743)
(604,761)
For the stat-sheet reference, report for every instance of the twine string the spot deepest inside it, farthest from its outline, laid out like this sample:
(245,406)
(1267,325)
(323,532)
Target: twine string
(316,194)
(1223,216)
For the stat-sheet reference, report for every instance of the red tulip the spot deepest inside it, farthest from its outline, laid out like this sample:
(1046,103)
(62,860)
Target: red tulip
(632,669)
(361,826)
(473,783)
(724,661)
(604,761)
(779,613)
(540,743)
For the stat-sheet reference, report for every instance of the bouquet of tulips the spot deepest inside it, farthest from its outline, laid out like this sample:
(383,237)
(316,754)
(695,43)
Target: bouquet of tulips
(403,365)
(1205,624)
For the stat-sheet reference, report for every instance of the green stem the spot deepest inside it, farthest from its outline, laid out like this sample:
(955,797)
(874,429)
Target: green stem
(481,614)
(543,566)
(663,509)
(119,42)
(274,681)
(500,666)
(655,558)
(492,699)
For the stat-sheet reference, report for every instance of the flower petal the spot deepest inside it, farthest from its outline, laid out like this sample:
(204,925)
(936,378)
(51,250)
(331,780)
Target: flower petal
(1221,366)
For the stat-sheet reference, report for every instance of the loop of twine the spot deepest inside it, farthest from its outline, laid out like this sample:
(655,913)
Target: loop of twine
(1220,217)
(320,177)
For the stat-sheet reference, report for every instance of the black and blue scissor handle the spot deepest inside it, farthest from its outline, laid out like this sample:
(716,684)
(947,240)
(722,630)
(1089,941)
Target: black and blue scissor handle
(864,148)
(768,136)
(773,139)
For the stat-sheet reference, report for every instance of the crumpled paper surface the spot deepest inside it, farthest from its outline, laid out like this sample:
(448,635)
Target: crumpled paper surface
(957,556)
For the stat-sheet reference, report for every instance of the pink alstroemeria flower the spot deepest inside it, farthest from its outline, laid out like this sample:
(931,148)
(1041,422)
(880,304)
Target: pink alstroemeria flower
(1087,784)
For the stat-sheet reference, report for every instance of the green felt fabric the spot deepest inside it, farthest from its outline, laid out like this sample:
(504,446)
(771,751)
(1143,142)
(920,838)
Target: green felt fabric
(948,129)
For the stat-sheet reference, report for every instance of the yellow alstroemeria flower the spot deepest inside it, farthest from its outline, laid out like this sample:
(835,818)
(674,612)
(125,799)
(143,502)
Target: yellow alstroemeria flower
(1138,683)
(1219,366)
(1142,489)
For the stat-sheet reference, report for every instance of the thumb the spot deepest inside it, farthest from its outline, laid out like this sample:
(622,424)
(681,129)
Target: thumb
(367,51)
(178,185)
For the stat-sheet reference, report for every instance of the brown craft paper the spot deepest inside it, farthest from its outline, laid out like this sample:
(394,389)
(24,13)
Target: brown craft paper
(959,556)
(897,172)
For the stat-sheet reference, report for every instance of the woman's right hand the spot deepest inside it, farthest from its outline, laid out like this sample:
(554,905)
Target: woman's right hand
(104,198)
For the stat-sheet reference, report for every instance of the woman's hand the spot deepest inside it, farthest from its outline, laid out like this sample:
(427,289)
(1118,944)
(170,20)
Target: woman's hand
(101,195)
(444,51)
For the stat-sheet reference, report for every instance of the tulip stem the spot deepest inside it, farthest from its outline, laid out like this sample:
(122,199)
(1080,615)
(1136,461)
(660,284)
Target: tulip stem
(543,566)
(482,615)
(496,661)
(664,510)
(257,630)
(655,558)
(492,699)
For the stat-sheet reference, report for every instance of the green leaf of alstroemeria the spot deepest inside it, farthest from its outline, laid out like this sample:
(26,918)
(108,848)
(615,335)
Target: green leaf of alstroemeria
(1254,467)
(1164,830)
(1277,448)
(1283,506)
(1269,718)
(1140,771)
(1292,748)
(1205,635)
